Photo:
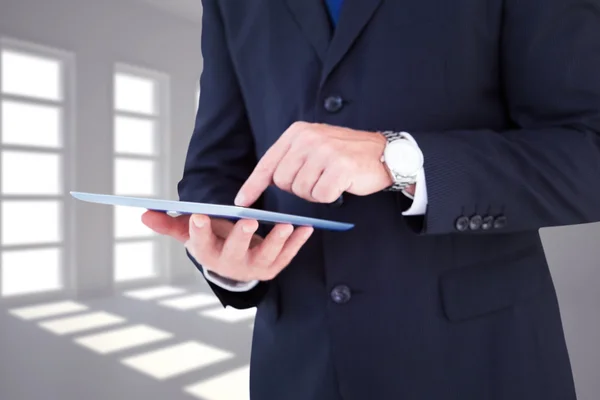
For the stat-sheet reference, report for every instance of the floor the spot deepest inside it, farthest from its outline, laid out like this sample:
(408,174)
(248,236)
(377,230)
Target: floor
(163,342)
(171,342)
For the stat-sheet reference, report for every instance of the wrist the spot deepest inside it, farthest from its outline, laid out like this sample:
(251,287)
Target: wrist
(410,190)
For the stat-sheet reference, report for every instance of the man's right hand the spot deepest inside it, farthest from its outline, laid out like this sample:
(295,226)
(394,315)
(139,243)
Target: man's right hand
(232,250)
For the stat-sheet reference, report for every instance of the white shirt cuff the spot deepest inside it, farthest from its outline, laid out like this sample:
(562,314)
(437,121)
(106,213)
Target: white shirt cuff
(229,284)
(419,204)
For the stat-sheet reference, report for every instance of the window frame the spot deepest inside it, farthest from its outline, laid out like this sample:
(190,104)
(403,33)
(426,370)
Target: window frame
(161,158)
(67,173)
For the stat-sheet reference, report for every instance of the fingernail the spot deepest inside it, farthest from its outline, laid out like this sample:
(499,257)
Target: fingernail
(198,222)
(239,199)
(248,229)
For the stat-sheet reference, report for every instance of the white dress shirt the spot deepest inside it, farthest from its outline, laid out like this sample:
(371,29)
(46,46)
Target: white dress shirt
(418,207)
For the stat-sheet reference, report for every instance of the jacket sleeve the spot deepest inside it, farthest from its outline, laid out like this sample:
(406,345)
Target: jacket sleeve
(545,171)
(221,153)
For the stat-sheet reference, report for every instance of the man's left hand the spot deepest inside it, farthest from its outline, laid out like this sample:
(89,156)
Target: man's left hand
(318,163)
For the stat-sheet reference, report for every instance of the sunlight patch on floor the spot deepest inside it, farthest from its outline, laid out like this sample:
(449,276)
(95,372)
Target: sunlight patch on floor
(229,314)
(231,385)
(47,310)
(176,360)
(123,339)
(153,293)
(190,302)
(80,323)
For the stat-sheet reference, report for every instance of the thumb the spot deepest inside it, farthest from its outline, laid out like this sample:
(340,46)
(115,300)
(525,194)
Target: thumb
(163,224)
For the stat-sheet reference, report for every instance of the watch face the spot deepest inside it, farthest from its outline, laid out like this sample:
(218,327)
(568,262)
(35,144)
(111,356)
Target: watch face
(403,157)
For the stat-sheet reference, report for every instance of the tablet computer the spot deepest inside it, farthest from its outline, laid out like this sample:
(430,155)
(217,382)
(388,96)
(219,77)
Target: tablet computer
(213,210)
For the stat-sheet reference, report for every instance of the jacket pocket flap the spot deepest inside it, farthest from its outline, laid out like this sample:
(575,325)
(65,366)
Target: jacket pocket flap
(477,290)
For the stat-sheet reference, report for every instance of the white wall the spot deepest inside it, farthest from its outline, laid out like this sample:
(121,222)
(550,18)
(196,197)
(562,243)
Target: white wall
(99,34)
(573,254)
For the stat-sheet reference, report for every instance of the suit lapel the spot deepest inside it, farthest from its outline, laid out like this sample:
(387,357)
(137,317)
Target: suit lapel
(311,16)
(355,16)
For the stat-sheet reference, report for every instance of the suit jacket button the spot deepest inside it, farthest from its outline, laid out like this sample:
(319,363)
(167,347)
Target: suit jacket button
(333,104)
(500,222)
(488,223)
(462,224)
(475,222)
(341,294)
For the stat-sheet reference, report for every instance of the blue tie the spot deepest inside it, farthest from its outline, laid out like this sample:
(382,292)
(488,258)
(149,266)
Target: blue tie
(334,7)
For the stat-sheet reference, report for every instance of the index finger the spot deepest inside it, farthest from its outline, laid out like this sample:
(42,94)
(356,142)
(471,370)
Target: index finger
(262,176)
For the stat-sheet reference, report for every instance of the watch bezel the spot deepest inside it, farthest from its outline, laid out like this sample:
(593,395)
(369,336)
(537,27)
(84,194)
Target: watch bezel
(390,158)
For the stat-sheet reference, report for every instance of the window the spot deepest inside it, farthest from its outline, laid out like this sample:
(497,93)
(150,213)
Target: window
(139,136)
(34,130)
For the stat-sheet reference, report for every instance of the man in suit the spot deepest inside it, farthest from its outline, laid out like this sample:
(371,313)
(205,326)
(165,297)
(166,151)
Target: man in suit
(449,133)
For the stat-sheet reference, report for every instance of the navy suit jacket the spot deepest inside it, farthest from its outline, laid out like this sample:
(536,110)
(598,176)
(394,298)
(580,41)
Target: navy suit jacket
(503,97)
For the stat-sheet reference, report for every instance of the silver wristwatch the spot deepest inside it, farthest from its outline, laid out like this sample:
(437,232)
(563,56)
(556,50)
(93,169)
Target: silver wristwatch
(403,159)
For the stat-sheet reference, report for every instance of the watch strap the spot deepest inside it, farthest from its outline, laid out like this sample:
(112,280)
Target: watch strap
(392,136)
